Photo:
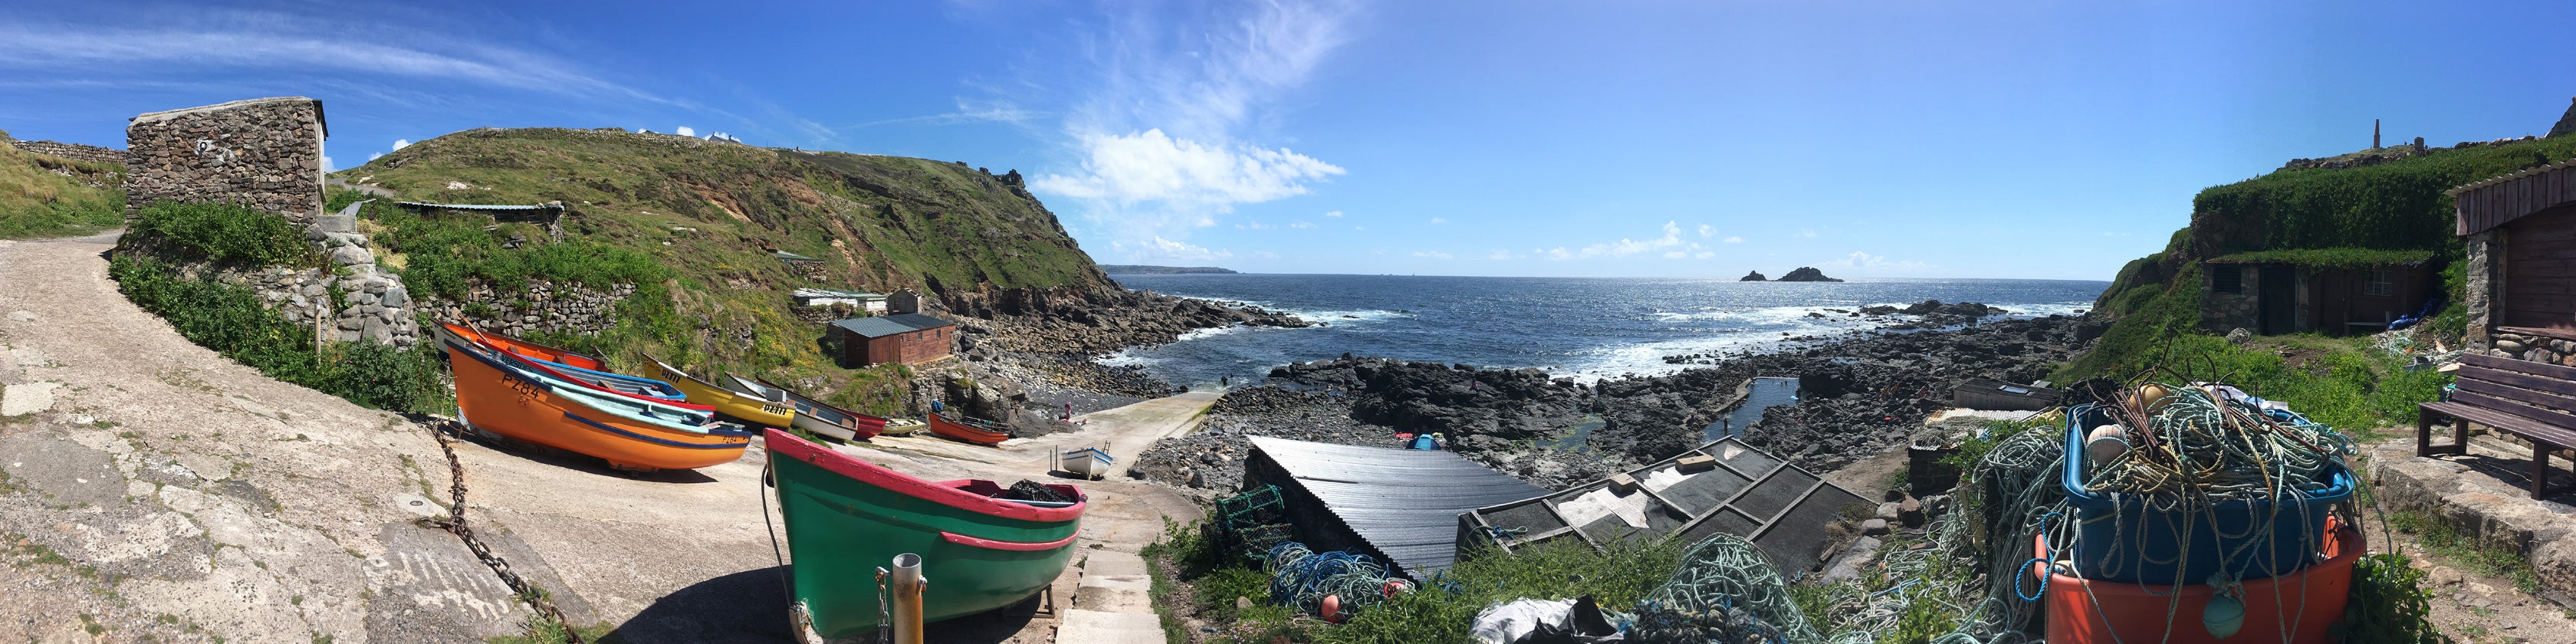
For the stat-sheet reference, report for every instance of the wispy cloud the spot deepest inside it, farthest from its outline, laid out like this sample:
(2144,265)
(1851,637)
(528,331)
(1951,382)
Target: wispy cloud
(1671,238)
(686,131)
(1335,213)
(1862,260)
(1706,230)
(1502,255)
(1807,232)
(1733,239)
(1432,254)
(1164,136)
(1160,248)
(1435,221)
(240,40)
(968,111)
(1302,225)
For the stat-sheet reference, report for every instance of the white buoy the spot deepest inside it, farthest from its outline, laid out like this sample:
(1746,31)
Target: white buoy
(2106,443)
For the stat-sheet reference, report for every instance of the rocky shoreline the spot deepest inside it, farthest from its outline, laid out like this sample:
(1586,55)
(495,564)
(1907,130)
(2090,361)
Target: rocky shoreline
(1860,395)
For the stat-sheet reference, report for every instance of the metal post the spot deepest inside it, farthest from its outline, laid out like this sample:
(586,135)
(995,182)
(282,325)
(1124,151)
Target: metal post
(906,586)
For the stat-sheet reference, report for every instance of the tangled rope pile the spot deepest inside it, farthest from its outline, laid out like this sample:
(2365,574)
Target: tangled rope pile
(1724,591)
(2191,449)
(1303,578)
(1980,550)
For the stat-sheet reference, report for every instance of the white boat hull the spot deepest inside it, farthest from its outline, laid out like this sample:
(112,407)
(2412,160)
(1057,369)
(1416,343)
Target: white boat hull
(1088,463)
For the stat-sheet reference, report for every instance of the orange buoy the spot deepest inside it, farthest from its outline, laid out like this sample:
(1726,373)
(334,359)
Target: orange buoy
(1333,608)
(1395,587)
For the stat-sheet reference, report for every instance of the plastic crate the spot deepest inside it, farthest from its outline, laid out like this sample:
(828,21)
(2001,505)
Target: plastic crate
(2119,538)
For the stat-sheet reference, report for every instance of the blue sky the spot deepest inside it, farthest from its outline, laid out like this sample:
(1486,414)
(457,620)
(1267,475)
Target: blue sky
(1903,139)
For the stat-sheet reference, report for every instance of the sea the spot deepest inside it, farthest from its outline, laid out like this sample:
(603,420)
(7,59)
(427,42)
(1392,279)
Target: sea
(1584,328)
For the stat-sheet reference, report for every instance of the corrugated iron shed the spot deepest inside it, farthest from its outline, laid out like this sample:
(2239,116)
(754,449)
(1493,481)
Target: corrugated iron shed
(1723,486)
(474,207)
(885,325)
(1398,505)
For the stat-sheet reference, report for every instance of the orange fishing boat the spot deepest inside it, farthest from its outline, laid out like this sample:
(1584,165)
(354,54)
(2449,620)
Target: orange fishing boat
(968,429)
(525,348)
(629,433)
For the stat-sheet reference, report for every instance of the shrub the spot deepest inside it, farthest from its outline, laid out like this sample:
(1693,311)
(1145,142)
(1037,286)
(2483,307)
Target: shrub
(227,234)
(231,320)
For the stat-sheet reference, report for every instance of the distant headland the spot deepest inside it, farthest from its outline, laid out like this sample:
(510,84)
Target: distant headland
(1131,269)
(1802,274)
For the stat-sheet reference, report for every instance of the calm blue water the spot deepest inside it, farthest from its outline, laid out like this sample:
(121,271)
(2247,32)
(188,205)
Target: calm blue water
(1587,328)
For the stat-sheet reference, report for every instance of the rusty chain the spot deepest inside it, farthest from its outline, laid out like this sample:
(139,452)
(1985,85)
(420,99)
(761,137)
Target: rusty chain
(455,523)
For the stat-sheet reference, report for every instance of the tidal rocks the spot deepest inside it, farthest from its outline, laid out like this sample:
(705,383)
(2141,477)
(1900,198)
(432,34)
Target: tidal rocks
(1096,322)
(1806,274)
(1458,400)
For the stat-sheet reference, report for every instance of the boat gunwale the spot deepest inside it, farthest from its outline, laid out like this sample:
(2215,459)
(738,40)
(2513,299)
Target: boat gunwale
(734,397)
(854,416)
(791,446)
(478,333)
(542,367)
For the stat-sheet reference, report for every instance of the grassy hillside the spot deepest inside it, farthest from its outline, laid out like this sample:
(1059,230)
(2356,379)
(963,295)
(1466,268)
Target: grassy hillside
(44,196)
(693,224)
(2328,216)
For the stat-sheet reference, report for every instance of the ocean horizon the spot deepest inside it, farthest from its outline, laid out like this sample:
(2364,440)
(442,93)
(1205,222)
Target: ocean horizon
(1587,328)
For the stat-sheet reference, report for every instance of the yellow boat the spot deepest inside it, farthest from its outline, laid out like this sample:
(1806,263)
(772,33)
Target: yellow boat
(738,406)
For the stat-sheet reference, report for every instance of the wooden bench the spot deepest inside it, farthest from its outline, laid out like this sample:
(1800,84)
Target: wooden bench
(2526,399)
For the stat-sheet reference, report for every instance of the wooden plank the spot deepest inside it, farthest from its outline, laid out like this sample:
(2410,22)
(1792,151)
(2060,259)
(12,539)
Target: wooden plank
(2516,247)
(2552,386)
(2519,366)
(2554,401)
(2559,318)
(2541,284)
(2549,417)
(2519,426)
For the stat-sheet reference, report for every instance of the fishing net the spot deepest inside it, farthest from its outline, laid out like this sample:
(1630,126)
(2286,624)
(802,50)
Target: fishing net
(1302,578)
(1724,591)
(1974,565)
(1027,490)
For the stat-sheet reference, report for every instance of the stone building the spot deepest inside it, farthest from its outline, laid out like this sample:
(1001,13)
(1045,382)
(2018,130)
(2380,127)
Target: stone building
(2322,291)
(264,154)
(2520,279)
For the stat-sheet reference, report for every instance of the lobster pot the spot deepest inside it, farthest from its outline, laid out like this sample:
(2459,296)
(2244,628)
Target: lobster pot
(2123,538)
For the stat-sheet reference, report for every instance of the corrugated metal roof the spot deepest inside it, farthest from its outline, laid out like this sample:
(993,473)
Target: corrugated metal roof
(824,292)
(479,207)
(885,325)
(792,256)
(1405,503)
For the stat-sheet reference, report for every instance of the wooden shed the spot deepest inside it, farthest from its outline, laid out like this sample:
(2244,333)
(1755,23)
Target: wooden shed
(2520,231)
(2335,291)
(906,338)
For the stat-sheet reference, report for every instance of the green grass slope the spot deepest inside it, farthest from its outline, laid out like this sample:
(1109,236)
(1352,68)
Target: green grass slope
(692,224)
(2327,215)
(45,196)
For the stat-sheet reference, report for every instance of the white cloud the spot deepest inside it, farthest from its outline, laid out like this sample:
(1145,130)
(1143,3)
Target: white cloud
(1160,248)
(1166,134)
(399,144)
(1435,221)
(1265,254)
(1253,225)
(1433,254)
(1807,232)
(1153,166)
(1676,254)
(1734,240)
(1335,213)
(1706,230)
(328,165)
(968,111)
(1624,247)
(371,158)
(1499,255)
(685,131)
(1705,254)
(1301,225)
(1359,228)
(236,40)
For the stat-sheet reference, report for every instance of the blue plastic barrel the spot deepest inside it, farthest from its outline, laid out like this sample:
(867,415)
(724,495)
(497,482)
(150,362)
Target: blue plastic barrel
(2119,538)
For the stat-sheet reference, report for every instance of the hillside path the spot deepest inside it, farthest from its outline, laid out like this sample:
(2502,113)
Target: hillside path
(154,488)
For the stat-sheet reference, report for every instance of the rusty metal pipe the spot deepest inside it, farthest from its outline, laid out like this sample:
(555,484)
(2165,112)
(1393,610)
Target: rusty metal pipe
(906,585)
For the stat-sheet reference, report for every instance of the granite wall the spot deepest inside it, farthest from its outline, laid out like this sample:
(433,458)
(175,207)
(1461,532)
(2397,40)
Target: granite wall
(545,306)
(73,151)
(264,154)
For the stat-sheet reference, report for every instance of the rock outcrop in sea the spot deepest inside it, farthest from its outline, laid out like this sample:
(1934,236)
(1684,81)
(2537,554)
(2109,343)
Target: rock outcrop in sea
(1806,274)
(1755,276)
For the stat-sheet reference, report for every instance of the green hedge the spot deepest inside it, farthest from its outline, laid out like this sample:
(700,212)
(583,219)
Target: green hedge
(2394,205)
(223,233)
(231,320)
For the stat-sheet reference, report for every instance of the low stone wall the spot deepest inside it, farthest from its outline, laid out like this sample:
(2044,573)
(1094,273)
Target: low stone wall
(262,154)
(73,151)
(2533,348)
(373,306)
(546,306)
(2487,510)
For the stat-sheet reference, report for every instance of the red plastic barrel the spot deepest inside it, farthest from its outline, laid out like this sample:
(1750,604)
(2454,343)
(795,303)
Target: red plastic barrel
(2296,608)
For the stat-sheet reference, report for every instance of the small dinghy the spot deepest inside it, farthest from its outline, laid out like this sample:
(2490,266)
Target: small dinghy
(970,430)
(1087,462)
(629,433)
(747,408)
(525,348)
(902,427)
(814,416)
(980,548)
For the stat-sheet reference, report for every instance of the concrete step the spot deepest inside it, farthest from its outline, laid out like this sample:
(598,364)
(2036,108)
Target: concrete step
(1114,582)
(1097,627)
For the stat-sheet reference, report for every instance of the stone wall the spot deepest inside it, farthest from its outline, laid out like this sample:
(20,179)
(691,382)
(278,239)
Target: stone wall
(2479,280)
(2223,312)
(546,306)
(73,151)
(263,154)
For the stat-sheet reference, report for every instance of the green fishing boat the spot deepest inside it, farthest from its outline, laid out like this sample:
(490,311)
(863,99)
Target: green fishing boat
(846,518)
